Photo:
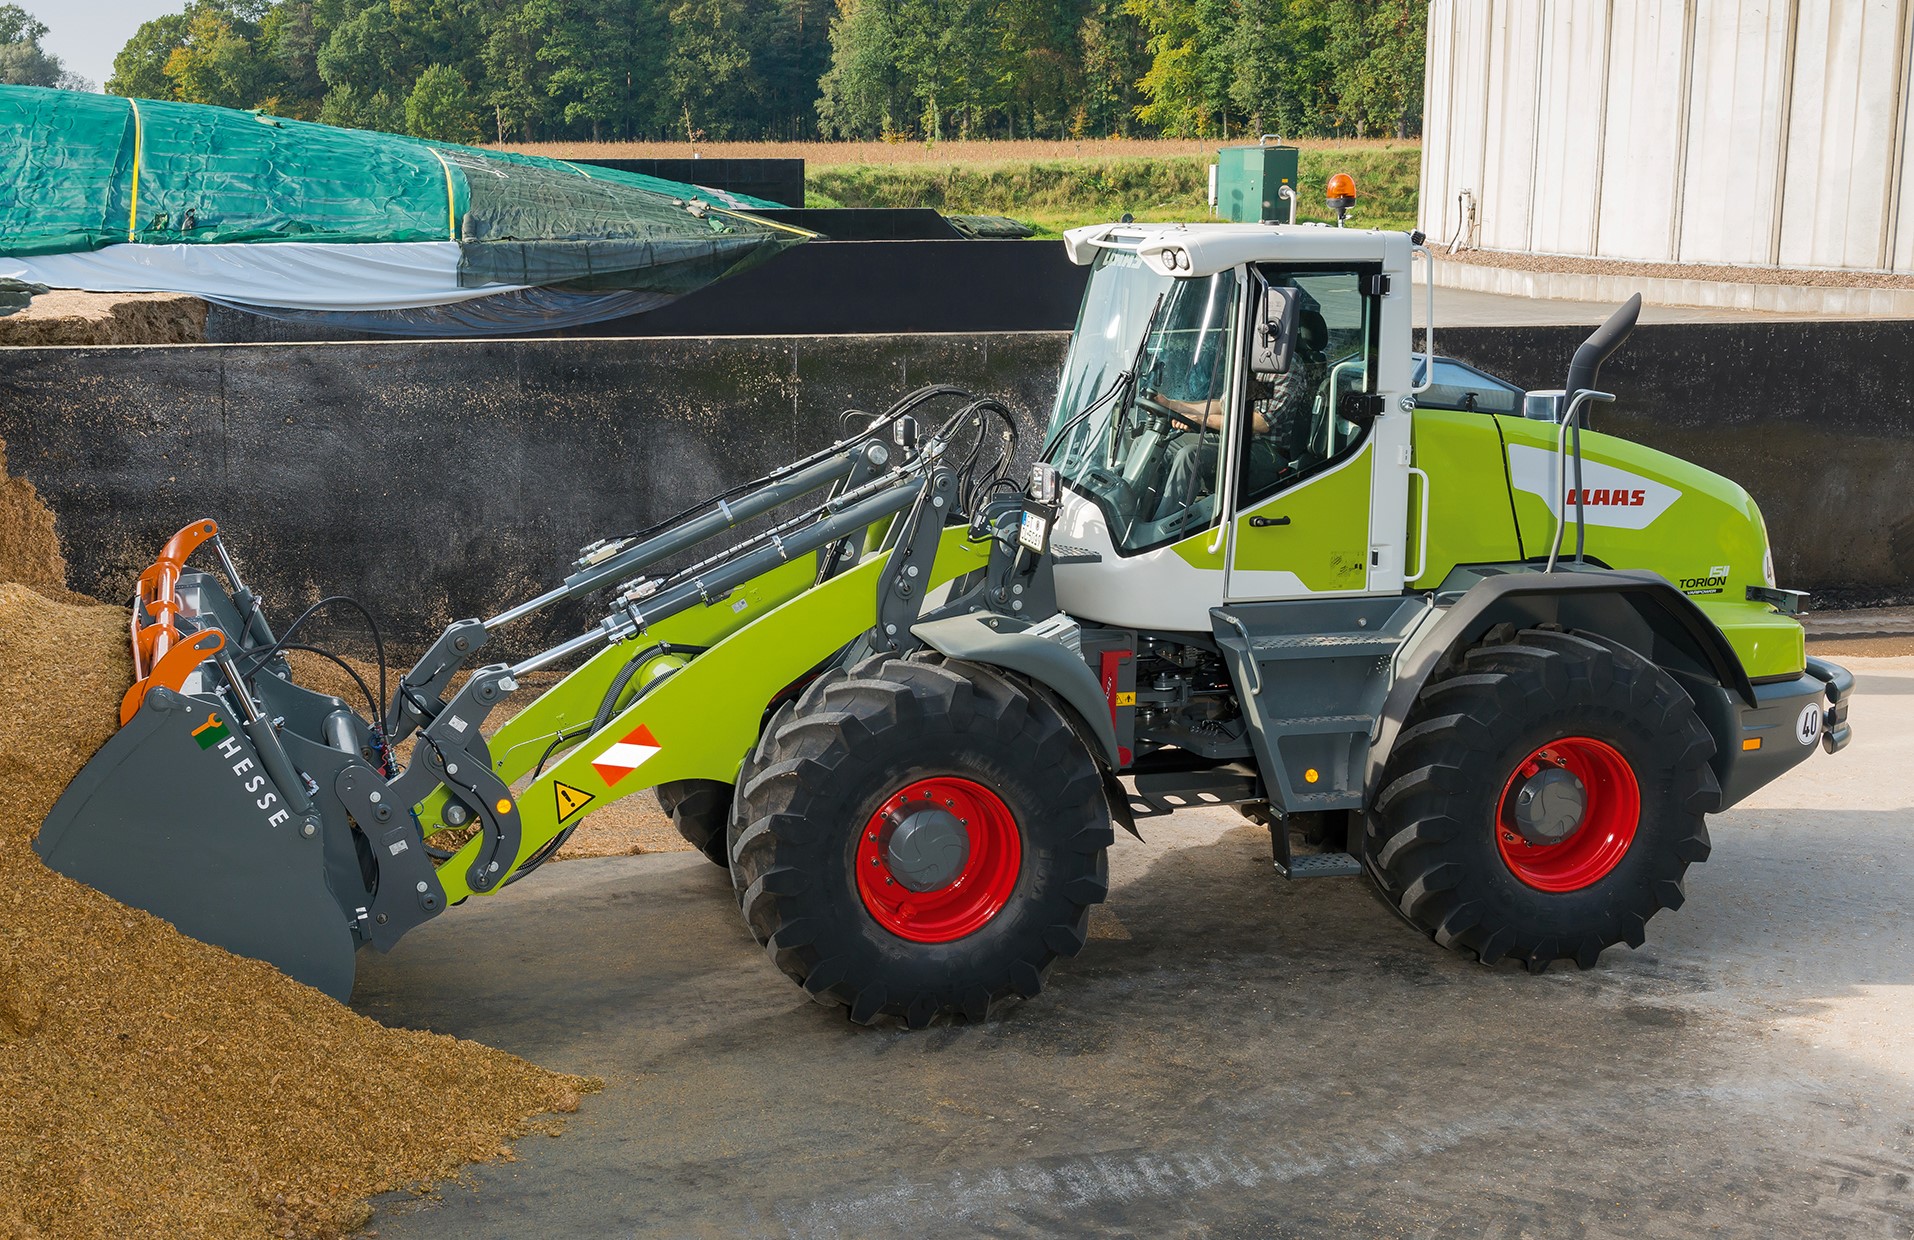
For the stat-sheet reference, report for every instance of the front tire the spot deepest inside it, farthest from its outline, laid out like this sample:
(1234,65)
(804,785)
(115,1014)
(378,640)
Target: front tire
(918,838)
(1543,801)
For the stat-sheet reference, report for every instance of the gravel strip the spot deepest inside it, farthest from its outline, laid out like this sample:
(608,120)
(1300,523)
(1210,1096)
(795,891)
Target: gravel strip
(1675,271)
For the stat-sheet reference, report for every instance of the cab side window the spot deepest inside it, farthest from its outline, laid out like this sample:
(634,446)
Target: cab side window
(1294,426)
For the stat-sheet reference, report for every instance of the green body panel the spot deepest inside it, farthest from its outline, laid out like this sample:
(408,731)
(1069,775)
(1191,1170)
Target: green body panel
(1768,643)
(1711,523)
(702,723)
(1480,515)
(1196,550)
(574,701)
(1326,543)
(1462,454)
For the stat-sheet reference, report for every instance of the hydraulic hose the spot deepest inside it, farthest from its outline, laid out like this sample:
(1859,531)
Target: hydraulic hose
(609,705)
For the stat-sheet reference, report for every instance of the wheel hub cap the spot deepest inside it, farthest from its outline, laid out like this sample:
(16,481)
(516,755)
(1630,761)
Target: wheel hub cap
(927,848)
(1549,805)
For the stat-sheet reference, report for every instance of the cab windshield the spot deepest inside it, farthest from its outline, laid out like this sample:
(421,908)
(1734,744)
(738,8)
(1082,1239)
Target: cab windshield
(1140,410)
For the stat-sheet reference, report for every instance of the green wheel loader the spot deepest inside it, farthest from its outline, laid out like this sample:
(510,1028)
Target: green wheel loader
(1499,663)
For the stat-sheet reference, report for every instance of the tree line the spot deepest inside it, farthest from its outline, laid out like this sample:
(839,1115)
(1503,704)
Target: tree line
(23,62)
(603,70)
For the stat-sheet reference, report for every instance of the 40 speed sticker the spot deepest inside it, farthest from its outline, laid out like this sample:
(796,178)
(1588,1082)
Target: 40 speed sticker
(1807,728)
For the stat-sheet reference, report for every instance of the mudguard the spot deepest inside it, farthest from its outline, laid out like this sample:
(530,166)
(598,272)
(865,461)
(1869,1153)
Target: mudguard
(1056,667)
(1642,610)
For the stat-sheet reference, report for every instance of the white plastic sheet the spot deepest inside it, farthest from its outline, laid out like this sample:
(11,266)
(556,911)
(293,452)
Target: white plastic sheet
(290,274)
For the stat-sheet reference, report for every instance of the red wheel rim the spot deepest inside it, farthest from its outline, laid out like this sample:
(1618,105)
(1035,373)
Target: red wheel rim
(981,887)
(1610,817)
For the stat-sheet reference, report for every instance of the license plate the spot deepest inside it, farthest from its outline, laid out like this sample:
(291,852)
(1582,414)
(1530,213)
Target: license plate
(1034,532)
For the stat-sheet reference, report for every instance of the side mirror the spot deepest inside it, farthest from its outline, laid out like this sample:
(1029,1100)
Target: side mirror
(1275,331)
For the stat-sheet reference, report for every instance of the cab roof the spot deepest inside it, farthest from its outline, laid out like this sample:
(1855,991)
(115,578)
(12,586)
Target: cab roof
(1186,250)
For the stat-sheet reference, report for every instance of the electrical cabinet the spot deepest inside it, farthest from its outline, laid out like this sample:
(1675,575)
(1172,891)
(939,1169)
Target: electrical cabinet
(1248,181)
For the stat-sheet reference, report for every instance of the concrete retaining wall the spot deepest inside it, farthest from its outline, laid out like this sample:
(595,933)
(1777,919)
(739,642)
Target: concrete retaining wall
(443,479)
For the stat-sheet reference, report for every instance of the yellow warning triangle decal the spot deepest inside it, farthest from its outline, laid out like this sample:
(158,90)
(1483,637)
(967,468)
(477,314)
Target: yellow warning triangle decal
(570,799)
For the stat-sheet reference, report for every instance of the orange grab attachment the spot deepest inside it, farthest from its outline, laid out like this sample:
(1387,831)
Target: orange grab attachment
(159,657)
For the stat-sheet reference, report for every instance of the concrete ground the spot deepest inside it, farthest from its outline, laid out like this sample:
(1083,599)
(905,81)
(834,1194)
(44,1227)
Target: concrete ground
(1232,1055)
(1876,631)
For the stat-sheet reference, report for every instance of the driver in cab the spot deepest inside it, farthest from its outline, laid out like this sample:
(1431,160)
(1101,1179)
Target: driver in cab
(1280,411)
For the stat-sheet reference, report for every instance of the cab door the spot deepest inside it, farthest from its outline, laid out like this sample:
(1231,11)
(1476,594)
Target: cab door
(1303,465)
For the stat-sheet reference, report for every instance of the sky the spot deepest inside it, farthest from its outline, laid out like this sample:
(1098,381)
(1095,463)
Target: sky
(87,34)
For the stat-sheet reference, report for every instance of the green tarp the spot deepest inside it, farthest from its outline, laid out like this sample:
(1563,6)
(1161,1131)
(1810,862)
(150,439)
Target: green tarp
(82,171)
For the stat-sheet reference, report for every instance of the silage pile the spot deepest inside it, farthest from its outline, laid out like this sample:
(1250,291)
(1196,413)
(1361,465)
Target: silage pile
(29,547)
(70,317)
(151,1085)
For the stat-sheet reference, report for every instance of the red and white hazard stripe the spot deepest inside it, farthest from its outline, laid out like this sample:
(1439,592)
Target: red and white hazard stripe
(626,756)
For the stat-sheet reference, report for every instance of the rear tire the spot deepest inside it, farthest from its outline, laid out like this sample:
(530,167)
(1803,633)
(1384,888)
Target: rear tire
(842,771)
(699,808)
(1446,843)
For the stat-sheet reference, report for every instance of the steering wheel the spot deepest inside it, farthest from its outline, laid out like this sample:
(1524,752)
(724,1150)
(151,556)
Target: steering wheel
(1174,418)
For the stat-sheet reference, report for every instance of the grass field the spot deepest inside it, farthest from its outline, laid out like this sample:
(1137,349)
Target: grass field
(1054,185)
(831,154)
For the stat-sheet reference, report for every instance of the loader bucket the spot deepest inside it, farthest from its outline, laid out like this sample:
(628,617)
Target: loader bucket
(173,816)
(180,815)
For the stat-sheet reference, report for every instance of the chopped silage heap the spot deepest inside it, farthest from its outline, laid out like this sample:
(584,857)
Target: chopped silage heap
(29,549)
(150,1084)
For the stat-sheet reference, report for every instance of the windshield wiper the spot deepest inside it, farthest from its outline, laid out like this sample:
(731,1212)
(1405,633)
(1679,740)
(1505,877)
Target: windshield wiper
(1125,381)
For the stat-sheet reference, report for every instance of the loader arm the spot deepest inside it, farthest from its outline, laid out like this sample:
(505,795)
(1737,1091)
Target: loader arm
(272,820)
(701,721)
(557,715)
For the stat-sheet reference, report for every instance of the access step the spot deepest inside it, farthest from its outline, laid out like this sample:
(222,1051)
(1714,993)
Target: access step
(1312,675)
(1299,725)
(1275,647)
(1165,792)
(1320,865)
